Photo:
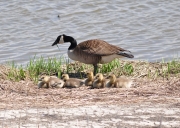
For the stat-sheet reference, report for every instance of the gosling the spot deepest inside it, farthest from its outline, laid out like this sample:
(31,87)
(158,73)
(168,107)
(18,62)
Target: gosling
(41,84)
(50,81)
(99,81)
(90,78)
(121,82)
(72,82)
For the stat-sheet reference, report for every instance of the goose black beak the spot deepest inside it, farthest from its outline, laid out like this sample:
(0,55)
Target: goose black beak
(56,42)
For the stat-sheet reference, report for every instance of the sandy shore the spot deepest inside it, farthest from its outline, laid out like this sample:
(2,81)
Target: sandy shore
(149,103)
(144,115)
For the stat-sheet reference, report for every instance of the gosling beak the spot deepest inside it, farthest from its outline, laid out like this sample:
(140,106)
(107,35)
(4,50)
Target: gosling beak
(107,77)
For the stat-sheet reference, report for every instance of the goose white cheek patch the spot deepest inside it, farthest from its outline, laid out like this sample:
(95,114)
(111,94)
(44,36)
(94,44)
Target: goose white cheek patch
(71,50)
(61,41)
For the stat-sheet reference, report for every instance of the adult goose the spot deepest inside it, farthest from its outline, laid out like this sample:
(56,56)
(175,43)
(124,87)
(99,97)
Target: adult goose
(92,51)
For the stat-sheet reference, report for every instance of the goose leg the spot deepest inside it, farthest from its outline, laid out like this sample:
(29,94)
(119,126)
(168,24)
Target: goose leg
(95,68)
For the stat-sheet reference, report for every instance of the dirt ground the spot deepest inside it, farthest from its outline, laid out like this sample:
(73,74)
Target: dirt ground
(149,103)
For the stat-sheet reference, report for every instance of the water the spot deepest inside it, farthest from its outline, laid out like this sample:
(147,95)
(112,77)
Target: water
(150,29)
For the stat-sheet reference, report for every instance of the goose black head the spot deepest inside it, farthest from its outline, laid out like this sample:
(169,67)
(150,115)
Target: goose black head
(59,40)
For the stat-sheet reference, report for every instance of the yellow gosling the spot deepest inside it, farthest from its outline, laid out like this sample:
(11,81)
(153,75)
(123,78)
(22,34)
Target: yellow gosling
(90,78)
(72,82)
(99,81)
(121,82)
(42,85)
(50,81)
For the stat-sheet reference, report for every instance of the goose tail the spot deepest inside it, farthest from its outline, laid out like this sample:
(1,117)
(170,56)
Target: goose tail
(126,54)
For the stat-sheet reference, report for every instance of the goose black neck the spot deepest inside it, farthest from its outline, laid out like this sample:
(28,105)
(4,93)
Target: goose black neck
(72,41)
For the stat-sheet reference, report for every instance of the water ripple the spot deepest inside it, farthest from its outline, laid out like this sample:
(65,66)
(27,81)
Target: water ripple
(149,28)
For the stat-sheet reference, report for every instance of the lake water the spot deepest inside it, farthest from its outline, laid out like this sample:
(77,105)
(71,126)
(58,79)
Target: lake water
(150,29)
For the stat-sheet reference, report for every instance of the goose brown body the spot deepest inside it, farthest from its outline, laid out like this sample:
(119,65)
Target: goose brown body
(95,51)
(72,82)
(92,51)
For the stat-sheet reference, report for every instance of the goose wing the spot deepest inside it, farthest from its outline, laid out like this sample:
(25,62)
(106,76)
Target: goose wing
(99,47)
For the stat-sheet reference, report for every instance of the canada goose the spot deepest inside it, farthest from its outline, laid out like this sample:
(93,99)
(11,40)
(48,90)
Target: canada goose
(92,51)
(121,82)
(50,81)
(99,81)
(90,78)
(72,82)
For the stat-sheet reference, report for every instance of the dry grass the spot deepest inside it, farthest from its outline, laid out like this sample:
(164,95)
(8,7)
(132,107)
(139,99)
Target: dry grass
(26,94)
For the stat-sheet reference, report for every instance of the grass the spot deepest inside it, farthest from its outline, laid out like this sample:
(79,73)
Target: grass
(35,67)
(56,66)
(117,67)
(50,66)
(16,73)
(105,68)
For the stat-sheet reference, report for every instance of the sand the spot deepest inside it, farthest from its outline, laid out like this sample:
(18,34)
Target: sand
(148,104)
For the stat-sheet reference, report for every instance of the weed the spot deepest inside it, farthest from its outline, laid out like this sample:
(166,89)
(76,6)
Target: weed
(128,69)
(110,66)
(36,67)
